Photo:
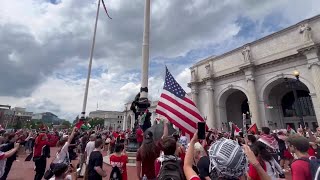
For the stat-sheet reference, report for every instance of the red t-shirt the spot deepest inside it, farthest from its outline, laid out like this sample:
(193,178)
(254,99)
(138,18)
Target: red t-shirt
(115,134)
(123,136)
(195,178)
(300,170)
(253,173)
(148,164)
(139,135)
(121,163)
(311,151)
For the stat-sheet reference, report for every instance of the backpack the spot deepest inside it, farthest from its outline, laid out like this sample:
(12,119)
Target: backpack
(115,173)
(314,165)
(171,170)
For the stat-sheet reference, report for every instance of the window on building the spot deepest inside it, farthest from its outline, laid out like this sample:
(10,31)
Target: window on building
(291,107)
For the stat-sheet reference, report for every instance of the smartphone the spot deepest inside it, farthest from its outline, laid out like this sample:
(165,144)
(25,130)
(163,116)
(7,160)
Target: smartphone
(201,130)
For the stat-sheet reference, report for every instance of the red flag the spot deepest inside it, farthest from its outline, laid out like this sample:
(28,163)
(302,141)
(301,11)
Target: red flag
(253,129)
(79,124)
(236,129)
(177,107)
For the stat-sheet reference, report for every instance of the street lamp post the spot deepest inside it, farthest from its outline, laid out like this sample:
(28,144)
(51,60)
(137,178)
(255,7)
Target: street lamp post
(292,86)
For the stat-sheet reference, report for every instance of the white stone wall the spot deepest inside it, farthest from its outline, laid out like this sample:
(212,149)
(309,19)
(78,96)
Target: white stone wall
(272,58)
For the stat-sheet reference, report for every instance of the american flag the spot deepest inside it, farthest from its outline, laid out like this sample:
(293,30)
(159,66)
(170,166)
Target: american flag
(177,107)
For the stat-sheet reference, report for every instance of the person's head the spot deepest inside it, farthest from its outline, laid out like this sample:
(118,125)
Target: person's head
(227,159)
(318,131)
(119,147)
(265,130)
(61,142)
(60,170)
(198,151)
(6,136)
(252,139)
(169,145)
(98,143)
(147,137)
(148,148)
(298,144)
(260,150)
(93,137)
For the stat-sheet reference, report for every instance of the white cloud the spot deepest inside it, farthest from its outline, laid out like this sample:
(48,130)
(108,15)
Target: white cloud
(45,48)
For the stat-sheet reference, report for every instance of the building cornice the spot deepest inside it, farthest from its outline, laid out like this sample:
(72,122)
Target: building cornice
(213,58)
(309,48)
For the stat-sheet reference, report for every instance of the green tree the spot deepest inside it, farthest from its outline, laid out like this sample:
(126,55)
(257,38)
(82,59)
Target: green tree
(66,123)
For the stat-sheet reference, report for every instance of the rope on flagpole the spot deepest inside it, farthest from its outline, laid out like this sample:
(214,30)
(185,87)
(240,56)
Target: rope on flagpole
(105,9)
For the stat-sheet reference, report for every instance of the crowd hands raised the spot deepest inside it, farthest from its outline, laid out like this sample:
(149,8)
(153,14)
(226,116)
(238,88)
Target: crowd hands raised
(265,155)
(261,156)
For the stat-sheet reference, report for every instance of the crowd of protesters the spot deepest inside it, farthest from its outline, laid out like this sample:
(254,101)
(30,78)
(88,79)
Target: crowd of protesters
(261,155)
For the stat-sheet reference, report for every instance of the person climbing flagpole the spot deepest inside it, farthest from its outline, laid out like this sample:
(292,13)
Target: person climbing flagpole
(84,106)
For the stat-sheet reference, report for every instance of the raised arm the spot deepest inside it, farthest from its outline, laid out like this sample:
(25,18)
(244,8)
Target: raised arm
(187,167)
(255,163)
(12,151)
(72,135)
(165,128)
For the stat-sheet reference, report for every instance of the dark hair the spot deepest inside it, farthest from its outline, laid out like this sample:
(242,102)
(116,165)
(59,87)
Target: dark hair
(252,138)
(169,145)
(84,139)
(61,142)
(265,130)
(59,169)
(260,150)
(299,142)
(119,147)
(98,143)
(148,148)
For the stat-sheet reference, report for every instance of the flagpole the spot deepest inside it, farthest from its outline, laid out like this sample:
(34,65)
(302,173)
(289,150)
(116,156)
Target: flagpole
(84,106)
(244,119)
(145,53)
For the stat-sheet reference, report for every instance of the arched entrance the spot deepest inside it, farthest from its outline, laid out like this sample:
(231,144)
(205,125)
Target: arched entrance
(232,104)
(282,107)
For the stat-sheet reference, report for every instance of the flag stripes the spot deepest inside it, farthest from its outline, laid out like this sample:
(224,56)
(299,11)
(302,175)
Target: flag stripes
(177,107)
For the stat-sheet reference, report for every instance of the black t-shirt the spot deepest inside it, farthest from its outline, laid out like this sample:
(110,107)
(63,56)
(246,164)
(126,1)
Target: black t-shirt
(95,160)
(203,167)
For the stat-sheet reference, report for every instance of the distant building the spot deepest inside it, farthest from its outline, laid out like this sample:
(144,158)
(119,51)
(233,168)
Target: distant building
(112,119)
(21,113)
(47,117)
(4,114)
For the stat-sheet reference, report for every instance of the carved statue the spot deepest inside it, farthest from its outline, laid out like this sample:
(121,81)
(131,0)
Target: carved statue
(208,70)
(305,30)
(246,54)
(193,75)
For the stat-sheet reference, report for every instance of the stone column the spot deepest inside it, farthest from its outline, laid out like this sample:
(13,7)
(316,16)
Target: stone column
(124,123)
(194,93)
(132,120)
(314,66)
(253,98)
(211,118)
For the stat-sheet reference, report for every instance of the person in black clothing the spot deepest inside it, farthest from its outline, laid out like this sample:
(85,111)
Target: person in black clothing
(12,138)
(202,161)
(95,171)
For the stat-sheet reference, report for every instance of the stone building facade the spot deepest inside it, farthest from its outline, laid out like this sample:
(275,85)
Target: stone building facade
(258,78)
(112,119)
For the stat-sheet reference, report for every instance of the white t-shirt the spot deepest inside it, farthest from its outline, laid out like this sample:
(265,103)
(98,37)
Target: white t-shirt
(89,149)
(63,155)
